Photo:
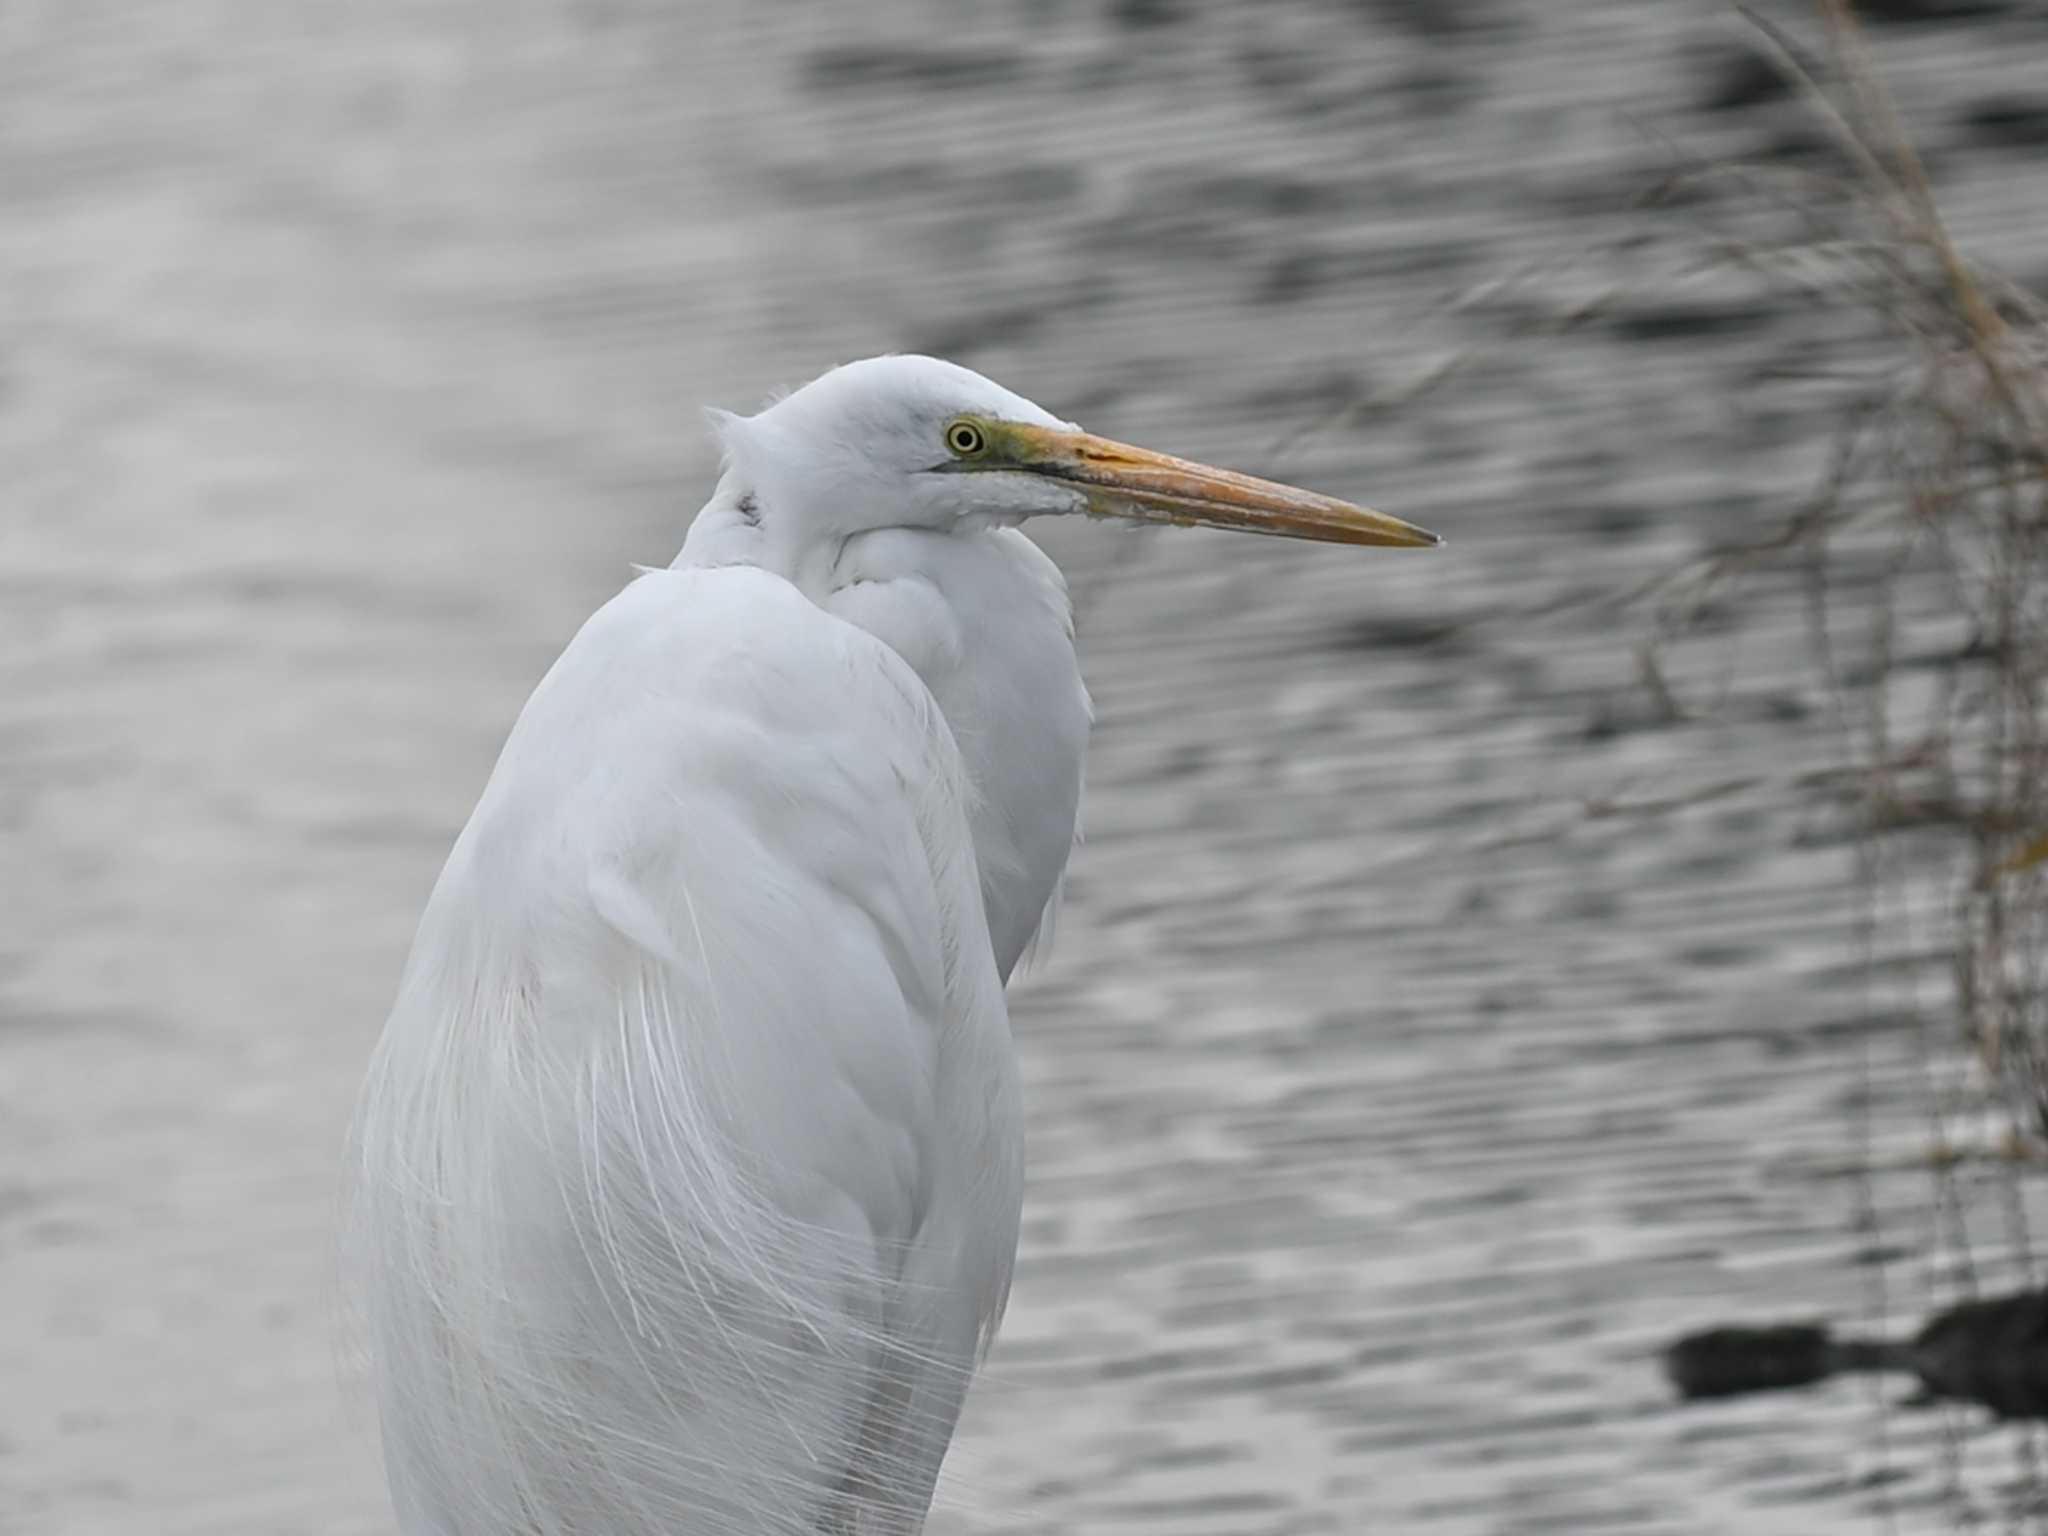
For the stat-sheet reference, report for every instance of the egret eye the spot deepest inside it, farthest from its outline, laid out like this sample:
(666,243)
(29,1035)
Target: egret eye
(965,439)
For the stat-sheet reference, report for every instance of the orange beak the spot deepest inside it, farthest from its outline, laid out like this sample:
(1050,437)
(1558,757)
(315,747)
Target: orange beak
(1122,481)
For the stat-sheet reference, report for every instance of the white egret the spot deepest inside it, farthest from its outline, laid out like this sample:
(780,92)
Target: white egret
(689,1164)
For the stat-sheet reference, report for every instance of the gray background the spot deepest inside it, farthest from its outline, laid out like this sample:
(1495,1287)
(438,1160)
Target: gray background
(1388,1105)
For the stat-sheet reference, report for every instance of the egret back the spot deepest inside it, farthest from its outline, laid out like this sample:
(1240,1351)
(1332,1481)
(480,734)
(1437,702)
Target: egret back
(689,1163)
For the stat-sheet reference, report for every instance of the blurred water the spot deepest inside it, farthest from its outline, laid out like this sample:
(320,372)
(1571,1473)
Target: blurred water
(1387,1111)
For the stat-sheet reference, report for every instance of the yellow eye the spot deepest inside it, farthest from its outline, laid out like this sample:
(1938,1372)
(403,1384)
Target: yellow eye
(965,439)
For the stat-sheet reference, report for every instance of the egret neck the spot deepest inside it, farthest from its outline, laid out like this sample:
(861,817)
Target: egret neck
(982,616)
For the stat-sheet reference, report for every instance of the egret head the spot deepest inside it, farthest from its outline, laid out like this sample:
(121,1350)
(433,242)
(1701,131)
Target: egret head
(914,442)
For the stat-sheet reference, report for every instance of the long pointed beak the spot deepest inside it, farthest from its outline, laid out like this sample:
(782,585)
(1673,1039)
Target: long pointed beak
(1122,481)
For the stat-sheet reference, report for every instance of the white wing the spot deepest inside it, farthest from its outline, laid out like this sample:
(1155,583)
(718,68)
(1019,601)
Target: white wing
(690,1158)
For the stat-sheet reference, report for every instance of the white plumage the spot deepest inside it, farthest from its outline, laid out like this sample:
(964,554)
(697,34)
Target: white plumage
(689,1162)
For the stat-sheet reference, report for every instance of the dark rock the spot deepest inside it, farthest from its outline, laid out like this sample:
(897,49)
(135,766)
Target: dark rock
(1993,1352)
(1726,1362)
